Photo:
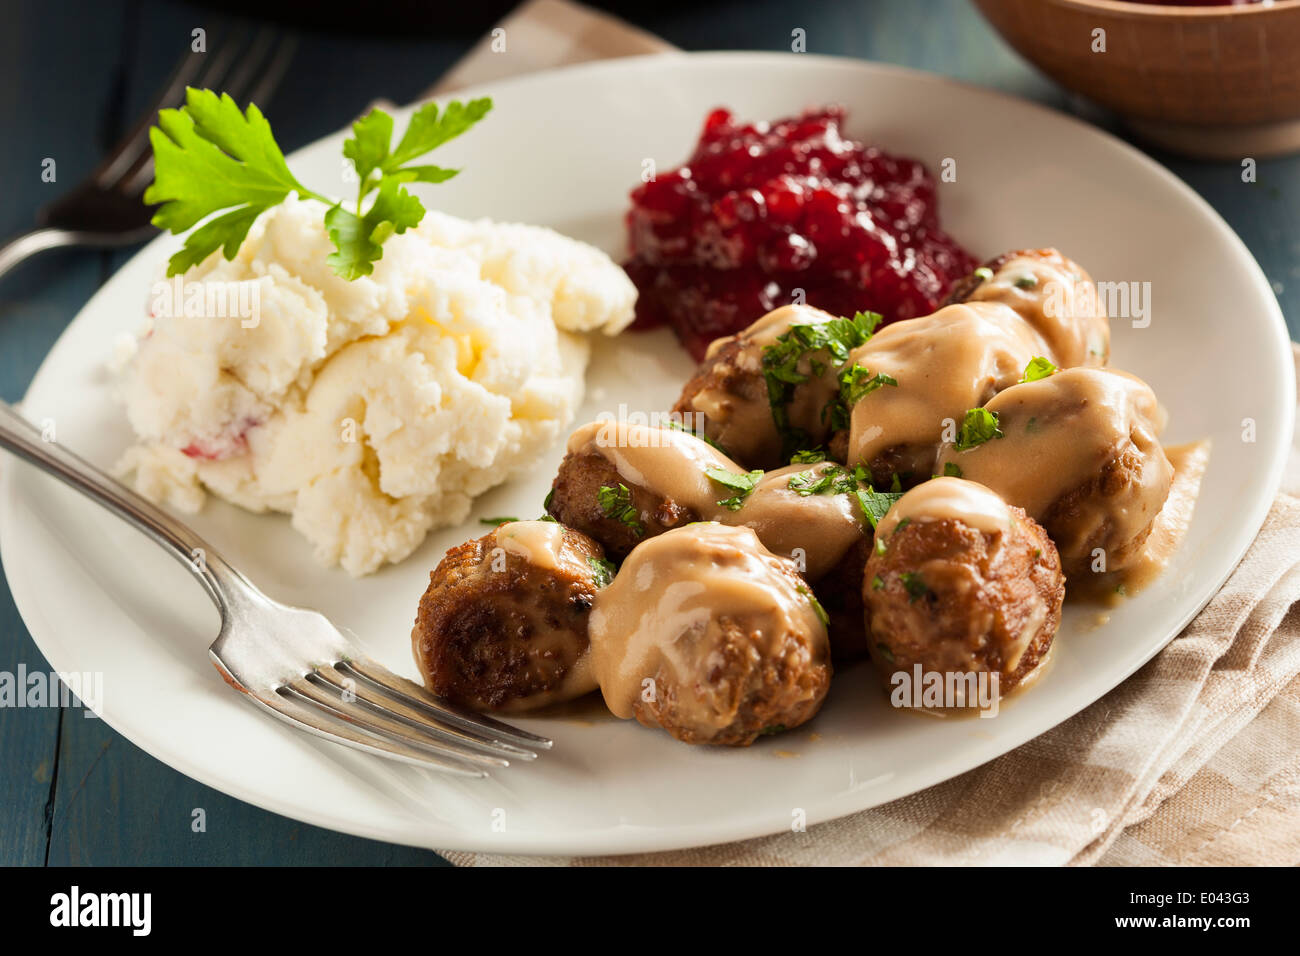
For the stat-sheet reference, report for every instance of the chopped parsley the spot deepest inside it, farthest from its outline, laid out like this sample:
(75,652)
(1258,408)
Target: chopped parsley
(771,729)
(741,484)
(496,521)
(901,525)
(984,273)
(816,606)
(977,427)
(856,383)
(951,470)
(1037,368)
(877,583)
(784,363)
(880,544)
(914,585)
(602,571)
(546,502)
(885,652)
(1026,281)
(616,503)
(808,457)
(876,504)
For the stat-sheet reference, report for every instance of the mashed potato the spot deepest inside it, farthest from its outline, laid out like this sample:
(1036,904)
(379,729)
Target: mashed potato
(371,411)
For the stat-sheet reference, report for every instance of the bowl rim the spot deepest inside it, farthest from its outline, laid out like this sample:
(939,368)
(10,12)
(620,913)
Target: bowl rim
(1139,10)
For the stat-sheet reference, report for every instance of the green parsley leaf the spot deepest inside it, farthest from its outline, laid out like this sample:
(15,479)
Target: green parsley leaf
(885,652)
(984,273)
(497,521)
(602,571)
(816,606)
(546,502)
(616,503)
(856,383)
(1037,368)
(209,156)
(914,585)
(877,583)
(358,239)
(742,484)
(951,470)
(978,426)
(808,457)
(1026,281)
(788,361)
(876,504)
(772,729)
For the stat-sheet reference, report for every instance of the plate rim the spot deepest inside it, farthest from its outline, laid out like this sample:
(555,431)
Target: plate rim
(639,839)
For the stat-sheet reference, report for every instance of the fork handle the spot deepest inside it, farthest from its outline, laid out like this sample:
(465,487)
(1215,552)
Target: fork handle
(224,584)
(29,244)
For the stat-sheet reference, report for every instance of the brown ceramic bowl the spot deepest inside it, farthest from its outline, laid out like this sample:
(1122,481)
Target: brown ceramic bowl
(1212,81)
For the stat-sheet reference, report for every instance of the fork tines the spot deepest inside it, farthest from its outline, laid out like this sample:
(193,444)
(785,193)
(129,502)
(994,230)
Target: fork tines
(357,702)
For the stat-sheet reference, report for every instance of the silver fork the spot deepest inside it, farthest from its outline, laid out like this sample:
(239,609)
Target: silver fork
(106,210)
(292,662)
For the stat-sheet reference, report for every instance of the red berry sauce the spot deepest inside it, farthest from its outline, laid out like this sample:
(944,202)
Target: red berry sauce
(763,209)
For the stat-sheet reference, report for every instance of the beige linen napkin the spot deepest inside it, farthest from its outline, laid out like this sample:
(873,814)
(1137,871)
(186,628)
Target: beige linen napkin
(1193,760)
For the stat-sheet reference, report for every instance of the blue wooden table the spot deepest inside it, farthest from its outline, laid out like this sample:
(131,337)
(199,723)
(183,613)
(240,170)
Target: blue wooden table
(72,78)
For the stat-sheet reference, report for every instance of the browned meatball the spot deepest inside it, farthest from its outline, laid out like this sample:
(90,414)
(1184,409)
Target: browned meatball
(728,395)
(710,636)
(1079,450)
(1050,292)
(577,501)
(959,583)
(1087,520)
(503,624)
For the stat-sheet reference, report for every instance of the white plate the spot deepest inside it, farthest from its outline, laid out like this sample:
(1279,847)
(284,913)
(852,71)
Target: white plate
(563,149)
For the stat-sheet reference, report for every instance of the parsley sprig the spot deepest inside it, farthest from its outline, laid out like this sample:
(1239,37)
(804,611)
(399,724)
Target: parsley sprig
(210,157)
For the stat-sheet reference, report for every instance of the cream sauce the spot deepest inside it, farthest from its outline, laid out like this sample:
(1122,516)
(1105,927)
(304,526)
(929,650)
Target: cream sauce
(816,530)
(540,543)
(660,617)
(945,363)
(1058,433)
(1189,463)
(1059,300)
(949,498)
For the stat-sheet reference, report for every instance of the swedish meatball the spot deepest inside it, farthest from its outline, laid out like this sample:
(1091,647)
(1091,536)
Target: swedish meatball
(1079,451)
(707,634)
(938,366)
(730,394)
(622,484)
(1050,292)
(503,624)
(961,582)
